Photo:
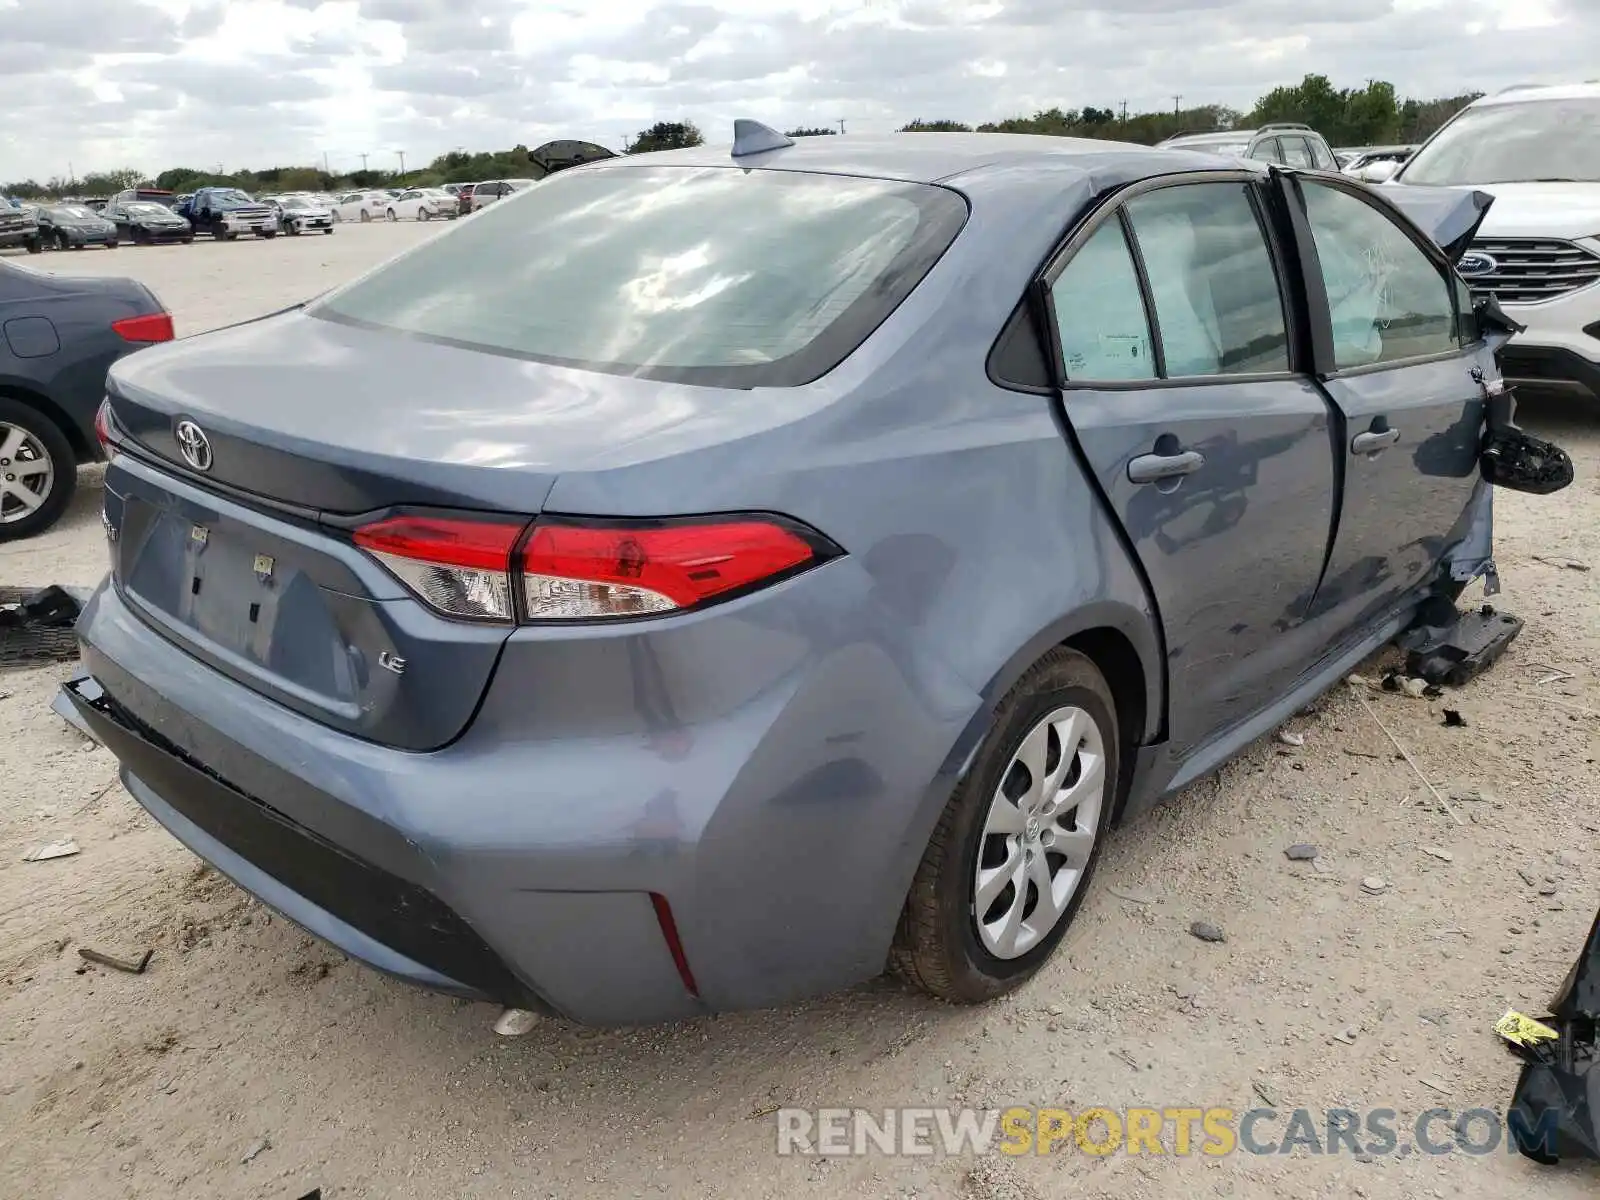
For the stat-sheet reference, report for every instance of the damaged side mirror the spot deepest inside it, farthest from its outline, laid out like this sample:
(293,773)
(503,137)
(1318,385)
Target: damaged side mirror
(1512,458)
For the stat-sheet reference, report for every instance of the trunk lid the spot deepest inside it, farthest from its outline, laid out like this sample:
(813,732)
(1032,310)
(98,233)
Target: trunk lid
(248,564)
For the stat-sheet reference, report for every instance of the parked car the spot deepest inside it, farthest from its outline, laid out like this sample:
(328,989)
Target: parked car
(143,222)
(60,334)
(1363,162)
(301,214)
(1537,151)
(822,576)
(361,206)
(486,193)
(422,204)
(1286,142)
(72,227)
(226,212)
(20,227)
(142,195)
(464,198)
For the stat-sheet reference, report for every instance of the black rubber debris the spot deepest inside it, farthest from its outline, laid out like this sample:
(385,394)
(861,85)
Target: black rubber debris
(36,626)
(1452,653)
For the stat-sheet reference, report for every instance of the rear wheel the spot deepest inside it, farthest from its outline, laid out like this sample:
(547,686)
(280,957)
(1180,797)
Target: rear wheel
(1010,859)
(112,244)
(38,471)
(392,217)
(424,215)
(35,245)
(61,241)
(189,241)
(365,216)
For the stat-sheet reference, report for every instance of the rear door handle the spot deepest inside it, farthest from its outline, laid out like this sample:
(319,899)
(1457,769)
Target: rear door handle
(1152,468)
(1373,441)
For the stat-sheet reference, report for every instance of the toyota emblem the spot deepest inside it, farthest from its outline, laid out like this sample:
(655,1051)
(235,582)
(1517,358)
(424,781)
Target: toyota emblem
(194,444)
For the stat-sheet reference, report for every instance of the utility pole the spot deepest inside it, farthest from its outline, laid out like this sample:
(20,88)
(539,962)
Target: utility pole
(326,169)
(1176,102)
(402,155)
(841,124)
(1124,112)
(363,163)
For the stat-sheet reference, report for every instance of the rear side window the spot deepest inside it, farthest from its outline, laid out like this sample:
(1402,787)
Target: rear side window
(710,275)
(1268,151)
(1099,311)
(1296,152)
(1218,307)
(1388,299)
(1321,157)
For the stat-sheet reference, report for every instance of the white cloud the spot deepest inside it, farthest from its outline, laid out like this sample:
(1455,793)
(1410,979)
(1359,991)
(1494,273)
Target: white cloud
(158,83)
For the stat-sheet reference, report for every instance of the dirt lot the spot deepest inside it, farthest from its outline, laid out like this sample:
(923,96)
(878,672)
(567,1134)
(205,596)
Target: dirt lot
(251,1061)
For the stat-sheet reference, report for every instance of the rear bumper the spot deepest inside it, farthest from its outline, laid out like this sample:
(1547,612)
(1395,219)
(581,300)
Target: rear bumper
(780,811)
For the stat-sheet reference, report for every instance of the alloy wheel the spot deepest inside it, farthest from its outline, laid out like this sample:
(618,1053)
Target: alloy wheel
(27,473)
(1039,833)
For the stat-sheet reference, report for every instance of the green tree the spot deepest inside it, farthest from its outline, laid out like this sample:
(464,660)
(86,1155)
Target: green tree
(667,135)
(938,126)
(811,131)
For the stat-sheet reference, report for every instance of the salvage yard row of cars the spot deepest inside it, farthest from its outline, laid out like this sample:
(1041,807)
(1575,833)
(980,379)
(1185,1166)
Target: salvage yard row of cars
(149,215)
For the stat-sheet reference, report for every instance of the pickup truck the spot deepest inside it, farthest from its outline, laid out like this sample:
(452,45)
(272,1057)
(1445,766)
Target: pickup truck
(225,213)
(19,227)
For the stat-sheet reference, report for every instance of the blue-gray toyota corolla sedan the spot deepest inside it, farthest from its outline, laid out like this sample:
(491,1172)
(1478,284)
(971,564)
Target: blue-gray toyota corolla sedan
(706,578)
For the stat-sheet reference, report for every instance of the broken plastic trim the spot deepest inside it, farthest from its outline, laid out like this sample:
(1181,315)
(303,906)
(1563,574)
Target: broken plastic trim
(1512,458)
(1555,1110)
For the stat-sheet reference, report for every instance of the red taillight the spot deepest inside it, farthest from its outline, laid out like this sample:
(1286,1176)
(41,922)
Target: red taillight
(102,428)
(152,327)
(460,567)
(669,933)
(588,571)
(585,570)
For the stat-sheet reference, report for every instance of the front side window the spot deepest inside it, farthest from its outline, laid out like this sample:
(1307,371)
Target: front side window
(709,275)
(1388,299)
(1218,307)
(1099,311)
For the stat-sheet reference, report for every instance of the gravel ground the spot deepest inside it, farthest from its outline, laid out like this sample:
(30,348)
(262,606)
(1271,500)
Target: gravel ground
(251,1061)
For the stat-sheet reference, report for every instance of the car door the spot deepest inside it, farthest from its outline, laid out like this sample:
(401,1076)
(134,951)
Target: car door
(1178,377)
(1401,360)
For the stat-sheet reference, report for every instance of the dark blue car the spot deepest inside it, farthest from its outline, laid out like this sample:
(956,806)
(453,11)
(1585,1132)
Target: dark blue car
(58,337)
(702,579)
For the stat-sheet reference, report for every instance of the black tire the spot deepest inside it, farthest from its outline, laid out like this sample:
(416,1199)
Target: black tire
(936,945)
(329,229)
(35,245)
(112,244)
(424,215)
(140,237)
(55,443)
(188,241)
(366,217)
(61,241)
(392,217)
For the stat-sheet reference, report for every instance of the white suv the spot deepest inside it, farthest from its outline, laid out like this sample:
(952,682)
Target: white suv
(1537,151)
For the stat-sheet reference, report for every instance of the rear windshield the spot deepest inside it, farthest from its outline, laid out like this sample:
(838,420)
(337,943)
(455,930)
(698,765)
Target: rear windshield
(710,275)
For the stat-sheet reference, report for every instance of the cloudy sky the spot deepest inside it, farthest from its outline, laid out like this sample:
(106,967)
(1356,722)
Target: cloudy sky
(155,83)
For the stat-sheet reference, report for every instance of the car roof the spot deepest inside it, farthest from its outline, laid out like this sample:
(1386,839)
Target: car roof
(918,157)
(1526,93)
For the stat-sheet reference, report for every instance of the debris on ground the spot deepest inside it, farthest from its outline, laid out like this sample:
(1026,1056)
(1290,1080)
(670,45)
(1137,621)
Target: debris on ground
(36,625)
(1439,797)
(1460,648)
(133,966)
(1453,719)
(1291,739)
(1374,885)
(514,1022)
(1207,932)
(1268,1093)
(65,848)
(1347,1035)
(1437,852)
(1301,852)
(1131,895)
(1555,1109)
(260,1147)
(1417,689)
(1442,1089)
(1570,564)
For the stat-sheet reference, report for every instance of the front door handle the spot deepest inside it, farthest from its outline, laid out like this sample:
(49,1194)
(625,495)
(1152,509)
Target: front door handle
(1152,468)
(1374,440)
